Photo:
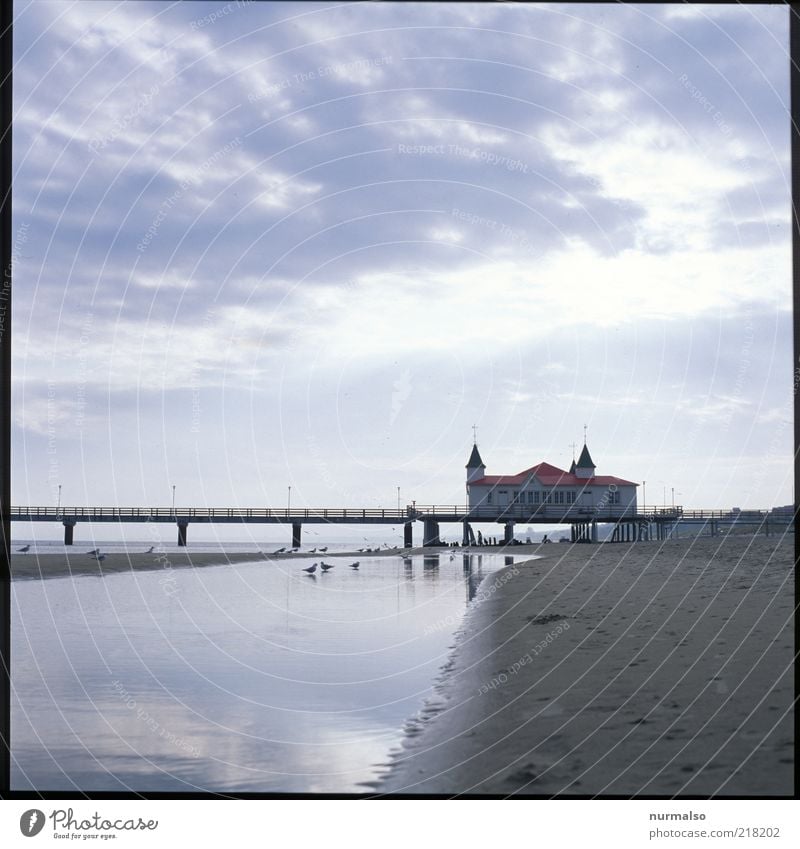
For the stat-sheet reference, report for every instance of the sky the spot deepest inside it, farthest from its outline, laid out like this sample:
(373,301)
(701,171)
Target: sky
(311,245)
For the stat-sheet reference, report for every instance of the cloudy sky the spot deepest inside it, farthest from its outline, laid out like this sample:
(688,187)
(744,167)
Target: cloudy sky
(262,245)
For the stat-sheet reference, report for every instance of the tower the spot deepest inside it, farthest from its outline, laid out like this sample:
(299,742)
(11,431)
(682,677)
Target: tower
(585,466)
(475,466)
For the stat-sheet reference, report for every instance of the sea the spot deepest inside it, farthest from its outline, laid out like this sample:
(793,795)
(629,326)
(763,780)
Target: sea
(251,677)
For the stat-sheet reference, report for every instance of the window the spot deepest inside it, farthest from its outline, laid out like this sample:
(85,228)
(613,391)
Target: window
(530,496)
(536,497)
(489,497)
(570,497)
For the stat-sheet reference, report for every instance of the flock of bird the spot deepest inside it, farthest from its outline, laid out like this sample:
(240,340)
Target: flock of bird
(95,552)
(309,570)
(326,567)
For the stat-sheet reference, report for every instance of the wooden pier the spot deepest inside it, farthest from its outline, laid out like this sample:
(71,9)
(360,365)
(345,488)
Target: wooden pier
(646,523)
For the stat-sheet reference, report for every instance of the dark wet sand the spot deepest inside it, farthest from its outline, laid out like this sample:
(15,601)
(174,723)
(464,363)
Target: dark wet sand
(79,563)
(649,668)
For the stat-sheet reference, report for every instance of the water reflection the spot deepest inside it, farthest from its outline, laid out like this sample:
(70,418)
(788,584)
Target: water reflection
(251,677)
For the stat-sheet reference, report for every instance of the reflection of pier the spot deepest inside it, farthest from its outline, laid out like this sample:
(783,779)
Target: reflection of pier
(628,526)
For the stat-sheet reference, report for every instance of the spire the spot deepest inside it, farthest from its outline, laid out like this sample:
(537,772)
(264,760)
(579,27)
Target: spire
(475,461)
(572,467)
(585,460)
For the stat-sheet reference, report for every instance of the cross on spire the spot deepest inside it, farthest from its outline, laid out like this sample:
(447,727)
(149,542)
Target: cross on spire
(573,446)
(584,434)
(475,434)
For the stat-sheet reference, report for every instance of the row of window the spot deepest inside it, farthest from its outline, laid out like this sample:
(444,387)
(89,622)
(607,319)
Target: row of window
(557,496)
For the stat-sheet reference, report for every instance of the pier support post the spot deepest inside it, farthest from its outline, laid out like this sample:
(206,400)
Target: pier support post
(408,535)
(430,532)
(297,528)
(465,534)
(69,529)
(594,531)
(182,529)
(508,536)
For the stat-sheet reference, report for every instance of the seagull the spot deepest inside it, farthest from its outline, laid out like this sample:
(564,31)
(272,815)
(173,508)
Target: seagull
(311,569)
(313,551)
(100,557)
(355,565)
(279,551)
(323,550)
(150,550)
(94,551)
(25,549)
(326,566)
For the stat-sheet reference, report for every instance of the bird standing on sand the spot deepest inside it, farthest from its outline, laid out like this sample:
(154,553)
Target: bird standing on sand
(355,565)
(323,550)
(93,551)
(24,550)
(279,551)
(100,557)
(150,550)
(327,566)
(311,569)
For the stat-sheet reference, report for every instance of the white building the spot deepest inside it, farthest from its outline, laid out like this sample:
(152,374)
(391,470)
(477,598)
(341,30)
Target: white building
(579,490)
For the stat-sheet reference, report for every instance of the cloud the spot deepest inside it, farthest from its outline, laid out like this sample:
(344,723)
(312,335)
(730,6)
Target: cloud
(388,191)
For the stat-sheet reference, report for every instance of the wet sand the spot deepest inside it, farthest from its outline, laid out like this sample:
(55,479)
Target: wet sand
(78,562)
(649,668)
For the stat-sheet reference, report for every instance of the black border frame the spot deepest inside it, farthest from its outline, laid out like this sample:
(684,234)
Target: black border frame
(6,235)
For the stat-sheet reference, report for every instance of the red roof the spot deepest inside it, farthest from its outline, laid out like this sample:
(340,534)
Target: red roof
(551,476)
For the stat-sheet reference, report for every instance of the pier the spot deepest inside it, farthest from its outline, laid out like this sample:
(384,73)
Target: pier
(646,523)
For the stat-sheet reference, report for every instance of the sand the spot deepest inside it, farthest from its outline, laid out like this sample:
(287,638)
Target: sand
(648,668)
(78,563)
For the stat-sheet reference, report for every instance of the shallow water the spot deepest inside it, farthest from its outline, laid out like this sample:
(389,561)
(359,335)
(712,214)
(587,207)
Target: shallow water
(244,678)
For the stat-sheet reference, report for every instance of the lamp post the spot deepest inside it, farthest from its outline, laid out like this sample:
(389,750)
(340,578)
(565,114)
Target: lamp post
(289,502)
(644,495)
(673,497)
(58,507)
(173,499)
(398,499)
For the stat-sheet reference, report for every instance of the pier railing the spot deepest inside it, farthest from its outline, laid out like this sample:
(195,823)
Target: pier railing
(512,512)
(523,512)
(207,513)
(580,512)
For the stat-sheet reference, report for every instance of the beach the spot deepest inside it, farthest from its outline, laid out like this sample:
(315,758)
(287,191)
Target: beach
(78,562)
(617,669)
